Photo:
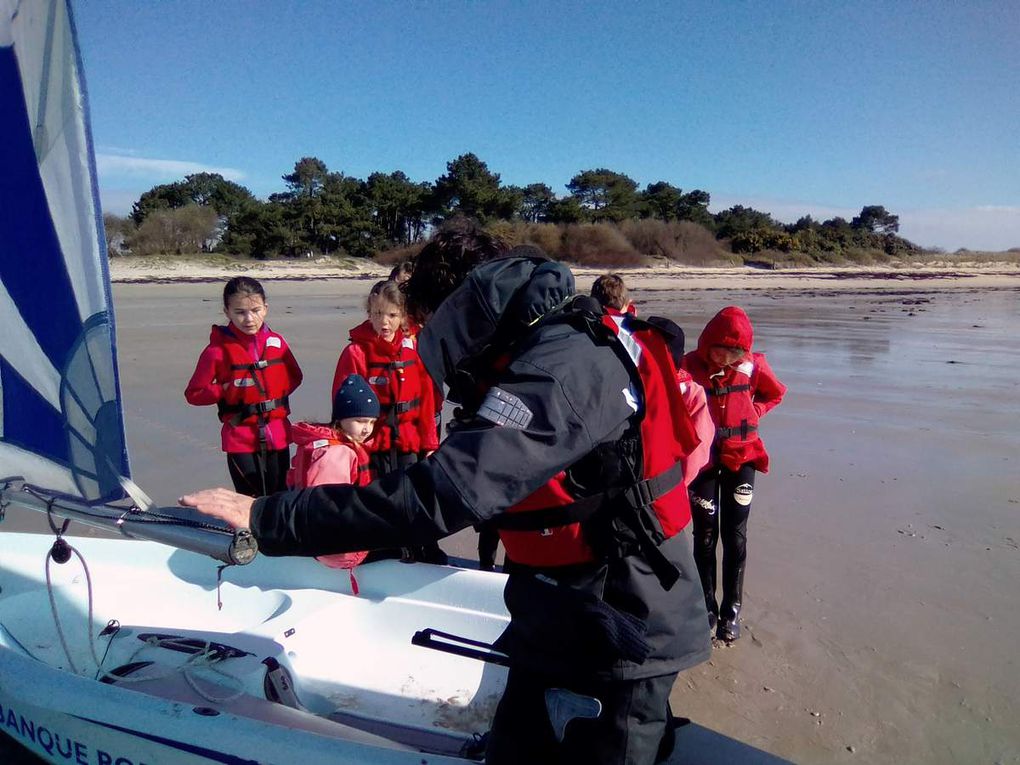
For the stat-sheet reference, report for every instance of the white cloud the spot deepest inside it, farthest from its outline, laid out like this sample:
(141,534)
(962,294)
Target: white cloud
(123,165)
(990,228)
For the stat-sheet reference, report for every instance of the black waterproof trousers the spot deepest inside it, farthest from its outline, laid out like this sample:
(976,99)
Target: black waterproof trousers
(634,727)
(259,474)
(720,505)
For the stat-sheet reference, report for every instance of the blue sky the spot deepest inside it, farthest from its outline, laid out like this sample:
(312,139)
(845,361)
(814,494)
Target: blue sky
(792,108)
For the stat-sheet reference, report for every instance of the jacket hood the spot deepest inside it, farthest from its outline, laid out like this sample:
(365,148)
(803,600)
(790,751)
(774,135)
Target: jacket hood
(365,333)
(306,432)
(226,332)
(729,327)
(496,304)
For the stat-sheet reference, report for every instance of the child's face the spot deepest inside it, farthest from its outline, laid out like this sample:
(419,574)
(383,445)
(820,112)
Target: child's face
(358,429)
(724,356)
(386,317)
(246,312)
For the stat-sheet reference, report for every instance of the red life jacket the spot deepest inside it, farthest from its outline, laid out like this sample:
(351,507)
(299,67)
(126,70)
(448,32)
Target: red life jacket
(731,390)
(658,496)
(398,378)
(730,395)
(258,389)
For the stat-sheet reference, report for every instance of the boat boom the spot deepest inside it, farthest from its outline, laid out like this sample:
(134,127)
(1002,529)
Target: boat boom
(177,527)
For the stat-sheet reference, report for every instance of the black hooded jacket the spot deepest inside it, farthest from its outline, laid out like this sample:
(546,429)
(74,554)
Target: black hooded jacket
(574,394)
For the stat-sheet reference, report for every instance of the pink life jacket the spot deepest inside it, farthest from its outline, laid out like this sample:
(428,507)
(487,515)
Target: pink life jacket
(318,462)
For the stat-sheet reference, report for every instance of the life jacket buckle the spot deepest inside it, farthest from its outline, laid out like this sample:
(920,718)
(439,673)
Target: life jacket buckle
(639,495)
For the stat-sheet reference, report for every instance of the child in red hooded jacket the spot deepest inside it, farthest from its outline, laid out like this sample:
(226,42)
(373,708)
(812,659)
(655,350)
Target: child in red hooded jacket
(741,389)
(382,352)
(335,453)
(248,371)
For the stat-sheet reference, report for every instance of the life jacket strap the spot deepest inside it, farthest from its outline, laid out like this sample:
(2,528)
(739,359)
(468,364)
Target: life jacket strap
(637,495)
(242,412)
(401,407)
(645,492)
(392,364)
(725,389)
(743,430)
(260,364)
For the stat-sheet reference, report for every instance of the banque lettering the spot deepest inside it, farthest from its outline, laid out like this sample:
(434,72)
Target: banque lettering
(72,750)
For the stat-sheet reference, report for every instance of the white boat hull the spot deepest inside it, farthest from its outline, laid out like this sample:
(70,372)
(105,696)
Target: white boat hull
(349,658)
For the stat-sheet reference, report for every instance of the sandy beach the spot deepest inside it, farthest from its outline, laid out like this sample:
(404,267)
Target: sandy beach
(884,546)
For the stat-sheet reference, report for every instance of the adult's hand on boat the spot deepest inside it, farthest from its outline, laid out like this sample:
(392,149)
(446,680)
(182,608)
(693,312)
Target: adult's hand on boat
(224,504)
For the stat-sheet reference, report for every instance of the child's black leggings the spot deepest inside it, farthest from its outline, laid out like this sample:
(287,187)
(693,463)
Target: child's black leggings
(259,474)
(720,505)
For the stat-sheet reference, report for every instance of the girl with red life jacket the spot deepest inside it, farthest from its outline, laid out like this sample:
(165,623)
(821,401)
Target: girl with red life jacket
(335,453)
(741,389)
(248,371)
(384,353)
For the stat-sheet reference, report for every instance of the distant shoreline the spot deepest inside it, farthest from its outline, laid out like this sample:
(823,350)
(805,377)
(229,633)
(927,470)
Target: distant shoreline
(842,278)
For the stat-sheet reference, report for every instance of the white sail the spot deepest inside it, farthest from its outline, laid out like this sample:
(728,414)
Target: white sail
(60,410)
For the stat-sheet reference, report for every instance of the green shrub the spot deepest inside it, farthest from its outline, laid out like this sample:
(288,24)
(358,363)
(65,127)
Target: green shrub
(679,241)
(546,236)
(598,245)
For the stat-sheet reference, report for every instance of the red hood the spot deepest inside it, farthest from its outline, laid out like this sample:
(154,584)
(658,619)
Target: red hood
(226,332)
(729,327)
(364,333)
(306,432)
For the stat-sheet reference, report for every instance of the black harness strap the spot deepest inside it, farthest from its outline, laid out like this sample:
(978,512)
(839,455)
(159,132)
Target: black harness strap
(392,364)
(401,407)
(743,431)
(637,495)
(722,391)
(260,364)
(244,411)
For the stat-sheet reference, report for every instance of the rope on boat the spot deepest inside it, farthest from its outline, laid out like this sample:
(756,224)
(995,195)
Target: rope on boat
(53,605)
(204,659)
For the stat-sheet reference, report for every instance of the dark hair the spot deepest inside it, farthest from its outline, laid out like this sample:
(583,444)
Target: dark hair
(404,267)
(445,261)
(610,291)
(387,290)
(242,285)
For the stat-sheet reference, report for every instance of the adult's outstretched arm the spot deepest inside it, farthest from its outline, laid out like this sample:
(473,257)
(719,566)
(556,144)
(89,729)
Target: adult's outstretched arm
(477,473)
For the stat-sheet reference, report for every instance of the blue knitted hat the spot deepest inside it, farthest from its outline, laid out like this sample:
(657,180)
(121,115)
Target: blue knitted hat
(355,398)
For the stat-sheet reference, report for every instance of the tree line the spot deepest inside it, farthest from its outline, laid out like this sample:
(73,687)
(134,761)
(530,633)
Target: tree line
(324,212)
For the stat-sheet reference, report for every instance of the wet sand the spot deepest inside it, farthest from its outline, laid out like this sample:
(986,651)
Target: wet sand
(884,546)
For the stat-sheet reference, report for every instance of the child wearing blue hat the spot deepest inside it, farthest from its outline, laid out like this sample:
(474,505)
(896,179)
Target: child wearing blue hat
(335,452)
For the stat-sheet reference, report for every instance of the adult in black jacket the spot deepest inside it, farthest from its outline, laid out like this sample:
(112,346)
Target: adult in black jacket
(543,390)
